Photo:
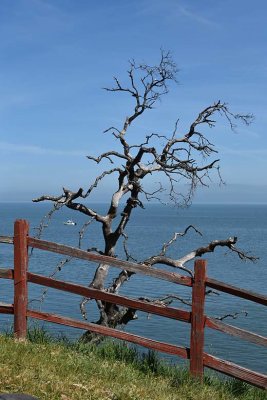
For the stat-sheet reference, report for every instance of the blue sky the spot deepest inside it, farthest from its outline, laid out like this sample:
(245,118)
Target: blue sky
(56,55)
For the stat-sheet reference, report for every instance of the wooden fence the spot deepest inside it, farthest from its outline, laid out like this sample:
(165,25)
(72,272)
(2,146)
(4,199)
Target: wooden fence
(197,318)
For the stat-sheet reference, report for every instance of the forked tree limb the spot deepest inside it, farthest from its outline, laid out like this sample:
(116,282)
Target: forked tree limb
(179,158)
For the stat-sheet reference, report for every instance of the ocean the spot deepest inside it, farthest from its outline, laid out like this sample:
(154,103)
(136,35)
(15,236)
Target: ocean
(147,231)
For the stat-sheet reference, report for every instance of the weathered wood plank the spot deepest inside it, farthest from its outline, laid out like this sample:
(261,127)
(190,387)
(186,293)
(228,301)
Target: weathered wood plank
(21,230)
(88,292)
(198,320)
(6,308)
(235,371)
(97,258)
(6,239)
(236,291)
(234,331)
(103,330)
(6,273)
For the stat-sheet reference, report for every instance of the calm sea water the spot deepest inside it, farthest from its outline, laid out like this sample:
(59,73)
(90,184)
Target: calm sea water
(147,231)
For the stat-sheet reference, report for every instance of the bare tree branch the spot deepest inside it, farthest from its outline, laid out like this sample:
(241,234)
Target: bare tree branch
(179,263)
(180,160)
(233,316)
(166,300)
(175,236)
(108,155)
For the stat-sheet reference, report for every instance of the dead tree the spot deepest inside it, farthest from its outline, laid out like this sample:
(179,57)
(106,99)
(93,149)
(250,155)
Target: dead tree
(176,158)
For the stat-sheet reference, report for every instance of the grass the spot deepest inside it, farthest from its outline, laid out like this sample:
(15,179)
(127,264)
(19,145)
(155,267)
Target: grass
(57,369)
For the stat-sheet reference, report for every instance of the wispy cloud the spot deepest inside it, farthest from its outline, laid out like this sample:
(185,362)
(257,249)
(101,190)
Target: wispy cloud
(37,150)
(11,100)
(173,10)
(243,152)
(196,17)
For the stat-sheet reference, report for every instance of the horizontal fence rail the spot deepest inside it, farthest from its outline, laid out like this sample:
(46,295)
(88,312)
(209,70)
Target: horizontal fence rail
(235,291)
(103,330)
(197,318)
(96,294)
(234,370)
(115,262)
(213,323)
(7,273)
(6,308)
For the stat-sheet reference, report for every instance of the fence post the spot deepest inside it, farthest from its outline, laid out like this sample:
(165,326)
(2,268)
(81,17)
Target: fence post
(198,320)
(21,231)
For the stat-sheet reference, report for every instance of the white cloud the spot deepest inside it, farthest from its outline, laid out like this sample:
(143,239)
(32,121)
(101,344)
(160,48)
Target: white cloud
(14,100)
(171,12)
(196,17)
(243,152)
(37,150)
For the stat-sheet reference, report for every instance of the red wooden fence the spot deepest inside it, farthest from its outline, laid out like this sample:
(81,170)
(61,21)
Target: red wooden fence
(197,318)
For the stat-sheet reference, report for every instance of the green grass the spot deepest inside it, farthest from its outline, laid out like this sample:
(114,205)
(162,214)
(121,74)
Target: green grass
(57,369)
